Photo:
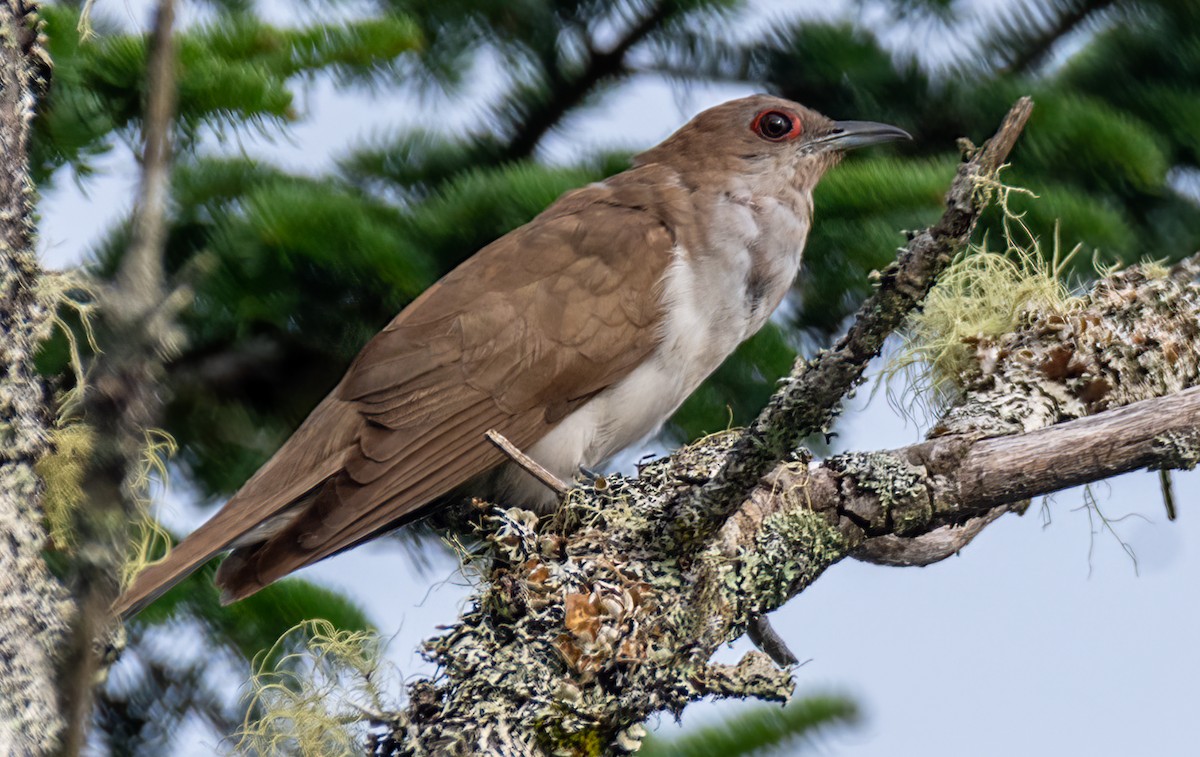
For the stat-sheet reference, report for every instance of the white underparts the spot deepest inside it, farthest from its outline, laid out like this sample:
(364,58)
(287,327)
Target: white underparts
(714,300)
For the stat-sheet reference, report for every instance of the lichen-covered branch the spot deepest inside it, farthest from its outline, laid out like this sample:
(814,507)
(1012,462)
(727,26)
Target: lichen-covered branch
(34,608)
(589,624)
(920,504)
(1072,396)
(586,625)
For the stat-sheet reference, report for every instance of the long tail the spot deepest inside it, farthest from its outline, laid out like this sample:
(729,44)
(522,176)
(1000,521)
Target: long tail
(205,543)
(310,456)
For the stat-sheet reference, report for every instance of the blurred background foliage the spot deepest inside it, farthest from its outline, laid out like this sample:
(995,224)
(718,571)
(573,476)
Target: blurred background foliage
(293,272)
(761,730)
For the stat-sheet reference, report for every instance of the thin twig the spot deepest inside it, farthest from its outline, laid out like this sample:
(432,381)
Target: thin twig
(531,466)
(1168,492)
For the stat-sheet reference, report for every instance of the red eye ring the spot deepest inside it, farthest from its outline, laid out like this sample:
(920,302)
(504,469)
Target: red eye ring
(776,125)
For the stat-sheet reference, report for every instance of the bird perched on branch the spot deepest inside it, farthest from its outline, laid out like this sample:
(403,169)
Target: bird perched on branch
(572,336)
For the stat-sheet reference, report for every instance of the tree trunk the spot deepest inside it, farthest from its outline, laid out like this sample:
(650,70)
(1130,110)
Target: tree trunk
(35,610)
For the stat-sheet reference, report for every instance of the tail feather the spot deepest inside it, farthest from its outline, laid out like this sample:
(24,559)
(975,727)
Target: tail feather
(309,457)
(232,576)
(224,531)
(184,559)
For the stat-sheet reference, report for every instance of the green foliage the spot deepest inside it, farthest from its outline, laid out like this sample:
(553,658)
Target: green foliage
(760,730)
(234,72)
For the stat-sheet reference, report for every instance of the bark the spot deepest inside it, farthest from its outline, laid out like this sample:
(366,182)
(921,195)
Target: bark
(611,611)
(35,610)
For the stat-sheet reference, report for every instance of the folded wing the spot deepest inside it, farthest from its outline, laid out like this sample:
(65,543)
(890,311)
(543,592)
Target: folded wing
(514,339)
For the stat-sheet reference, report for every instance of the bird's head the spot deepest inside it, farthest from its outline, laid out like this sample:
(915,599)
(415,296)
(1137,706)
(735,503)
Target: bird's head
(765,140)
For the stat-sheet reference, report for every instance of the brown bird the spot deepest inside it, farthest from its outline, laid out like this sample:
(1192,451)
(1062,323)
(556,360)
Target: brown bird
(574,336)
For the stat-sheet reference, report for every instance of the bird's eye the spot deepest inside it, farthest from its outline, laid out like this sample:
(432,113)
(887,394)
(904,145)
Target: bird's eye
(776,125)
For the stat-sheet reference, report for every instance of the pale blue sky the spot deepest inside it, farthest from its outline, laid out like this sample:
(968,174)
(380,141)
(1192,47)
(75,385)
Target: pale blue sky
(1037,640)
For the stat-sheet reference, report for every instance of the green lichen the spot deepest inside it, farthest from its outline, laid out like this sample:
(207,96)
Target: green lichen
(1003,346)
(791,548)
(585,743)
(147,537)
(897,497)
(309,694)
(62,469)
(983,294)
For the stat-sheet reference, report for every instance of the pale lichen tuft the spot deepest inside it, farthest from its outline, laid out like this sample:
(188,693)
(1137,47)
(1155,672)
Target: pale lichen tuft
(62,469)
(316,693)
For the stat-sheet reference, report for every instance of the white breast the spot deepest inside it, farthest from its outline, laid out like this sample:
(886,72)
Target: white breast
(715,299)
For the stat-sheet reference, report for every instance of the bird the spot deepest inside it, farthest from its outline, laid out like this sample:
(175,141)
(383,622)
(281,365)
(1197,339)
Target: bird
(573,336)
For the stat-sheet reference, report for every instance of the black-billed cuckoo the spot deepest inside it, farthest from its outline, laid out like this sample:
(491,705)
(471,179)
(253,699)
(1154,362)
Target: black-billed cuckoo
(574,336)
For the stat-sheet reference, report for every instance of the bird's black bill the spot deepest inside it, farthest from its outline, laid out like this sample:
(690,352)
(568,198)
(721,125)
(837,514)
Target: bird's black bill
(848,135)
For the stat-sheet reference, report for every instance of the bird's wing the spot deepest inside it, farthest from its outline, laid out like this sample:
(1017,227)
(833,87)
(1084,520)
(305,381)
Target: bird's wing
(514,339)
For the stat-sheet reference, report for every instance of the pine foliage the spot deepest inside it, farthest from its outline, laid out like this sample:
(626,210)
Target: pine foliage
(762,730)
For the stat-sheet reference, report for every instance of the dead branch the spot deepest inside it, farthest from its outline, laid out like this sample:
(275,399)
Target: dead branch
(952,490)
(528,464)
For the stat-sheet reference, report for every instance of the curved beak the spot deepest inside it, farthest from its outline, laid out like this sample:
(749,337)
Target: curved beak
(847,135)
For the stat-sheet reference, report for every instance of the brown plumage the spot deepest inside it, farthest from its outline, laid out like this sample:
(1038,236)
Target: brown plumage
(517,338)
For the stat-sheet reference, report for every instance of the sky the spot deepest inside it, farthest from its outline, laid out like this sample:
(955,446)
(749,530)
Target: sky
(1042,638)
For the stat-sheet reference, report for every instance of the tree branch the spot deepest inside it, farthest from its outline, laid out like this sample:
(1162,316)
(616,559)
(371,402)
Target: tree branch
(568,92)
(1161,433)
(589,623)
(953,490)
(1042,40)
(35,610)
(123,397)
